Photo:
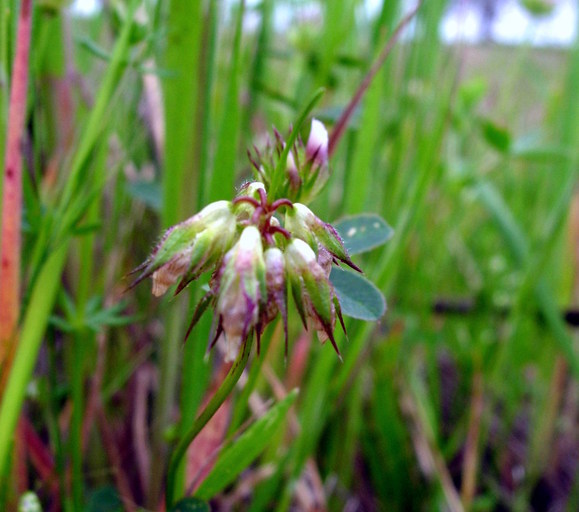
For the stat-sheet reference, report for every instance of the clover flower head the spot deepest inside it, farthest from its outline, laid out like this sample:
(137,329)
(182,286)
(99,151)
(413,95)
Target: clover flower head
(305,168)
(258,246)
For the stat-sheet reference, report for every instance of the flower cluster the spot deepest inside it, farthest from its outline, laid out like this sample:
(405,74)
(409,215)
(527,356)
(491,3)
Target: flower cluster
(297,172)
(258,246)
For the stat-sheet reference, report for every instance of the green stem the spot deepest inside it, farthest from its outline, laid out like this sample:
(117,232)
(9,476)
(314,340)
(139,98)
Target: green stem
(210,409)
(169,359)
(195,381)
(95,126)
(181,56)
(37,313)
(77,395)
(223,175)
(81,339)
(207,81)
(50,264)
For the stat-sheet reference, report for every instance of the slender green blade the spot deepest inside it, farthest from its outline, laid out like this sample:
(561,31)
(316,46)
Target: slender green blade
(245,449)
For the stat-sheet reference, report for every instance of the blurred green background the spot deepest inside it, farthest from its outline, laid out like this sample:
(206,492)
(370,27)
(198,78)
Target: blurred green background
(463,397)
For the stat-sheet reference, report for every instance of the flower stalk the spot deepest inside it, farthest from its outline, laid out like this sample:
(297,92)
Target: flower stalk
(210,409)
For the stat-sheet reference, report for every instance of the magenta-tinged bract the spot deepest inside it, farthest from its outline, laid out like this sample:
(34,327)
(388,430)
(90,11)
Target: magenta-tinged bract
(275,281)
(242,289)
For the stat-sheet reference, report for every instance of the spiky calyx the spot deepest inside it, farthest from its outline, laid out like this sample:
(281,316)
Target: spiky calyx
(256,246)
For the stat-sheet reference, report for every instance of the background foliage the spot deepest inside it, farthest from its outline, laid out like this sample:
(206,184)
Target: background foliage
(141,114)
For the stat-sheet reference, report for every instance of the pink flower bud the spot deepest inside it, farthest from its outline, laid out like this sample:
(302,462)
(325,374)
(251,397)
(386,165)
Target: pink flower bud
(292,172)
(275,278)
(317,145)
(241,289)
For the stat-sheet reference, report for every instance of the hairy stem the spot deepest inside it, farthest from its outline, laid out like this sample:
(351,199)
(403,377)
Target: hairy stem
(10,236)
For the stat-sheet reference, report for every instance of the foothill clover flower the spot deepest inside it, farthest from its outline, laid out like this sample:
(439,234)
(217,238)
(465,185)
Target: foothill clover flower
(241,289)
(257,246)
(190,248)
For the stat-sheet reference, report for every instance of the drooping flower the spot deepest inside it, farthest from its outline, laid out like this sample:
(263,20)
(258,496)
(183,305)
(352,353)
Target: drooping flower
(311,289)
(242,289)
(190,248)
(302,223)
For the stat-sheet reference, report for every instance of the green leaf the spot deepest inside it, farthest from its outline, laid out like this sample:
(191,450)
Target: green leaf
(239,455)
(94,48)
(147,191)
(495,135)
(190,505)
(471,92)
(364,232)
(538,8)
(104,499)
(358,297)
(533,148)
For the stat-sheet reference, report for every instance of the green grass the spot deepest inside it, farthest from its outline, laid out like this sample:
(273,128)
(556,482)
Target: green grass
(468,152)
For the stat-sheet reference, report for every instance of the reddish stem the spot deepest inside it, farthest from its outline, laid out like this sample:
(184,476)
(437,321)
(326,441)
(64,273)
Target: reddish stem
(263,197)
(10,237)
(246,199)
(112,450)
(277,229)
(40,456)
(347,114)
(258,212)
(281,202)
